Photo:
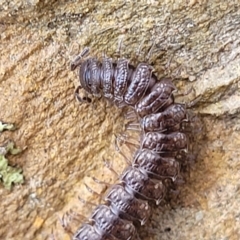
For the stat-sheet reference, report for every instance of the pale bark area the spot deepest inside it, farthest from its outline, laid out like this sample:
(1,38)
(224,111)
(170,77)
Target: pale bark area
(197,42)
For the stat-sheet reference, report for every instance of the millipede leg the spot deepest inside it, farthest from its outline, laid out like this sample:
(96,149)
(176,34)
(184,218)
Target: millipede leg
(84,99)
(52,235)
(188,91)
(121,152)
(101,182)
(179,181)
(86,202)
(120,104)
(91,190)
(78,60)
(139,50)
(137,236)
(77,216)
(148,56)
(122,139)
(133,126)
(193,102)
(107,164)
(118,51)
(64,221)
(130,115)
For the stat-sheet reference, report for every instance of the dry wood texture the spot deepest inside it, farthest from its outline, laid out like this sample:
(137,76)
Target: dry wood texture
(197,42)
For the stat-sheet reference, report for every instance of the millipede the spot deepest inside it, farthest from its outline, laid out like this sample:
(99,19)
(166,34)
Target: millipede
(162,139)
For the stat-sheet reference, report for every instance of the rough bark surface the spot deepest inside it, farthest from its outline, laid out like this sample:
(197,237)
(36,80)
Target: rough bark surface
(197,42)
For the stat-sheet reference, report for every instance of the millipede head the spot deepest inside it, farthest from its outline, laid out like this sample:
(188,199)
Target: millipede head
(84,98)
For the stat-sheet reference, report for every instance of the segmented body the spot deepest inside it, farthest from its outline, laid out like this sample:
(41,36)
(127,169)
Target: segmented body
(160,119)
(167,120)
(160,142)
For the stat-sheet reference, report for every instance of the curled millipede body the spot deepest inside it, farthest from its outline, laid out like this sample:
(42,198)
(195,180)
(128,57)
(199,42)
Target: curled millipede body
(106,221)
(159,97)
(127,204)
(126,85)
(138,182)
(167,120)
(161,140)
(157,166)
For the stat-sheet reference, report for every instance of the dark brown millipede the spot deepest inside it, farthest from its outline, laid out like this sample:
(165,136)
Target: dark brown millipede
(159,118)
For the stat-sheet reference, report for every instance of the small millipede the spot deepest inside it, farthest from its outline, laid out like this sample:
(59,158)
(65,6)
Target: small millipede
(162,138)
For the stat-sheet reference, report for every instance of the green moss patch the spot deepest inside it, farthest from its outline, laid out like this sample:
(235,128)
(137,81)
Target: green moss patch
(9,175)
